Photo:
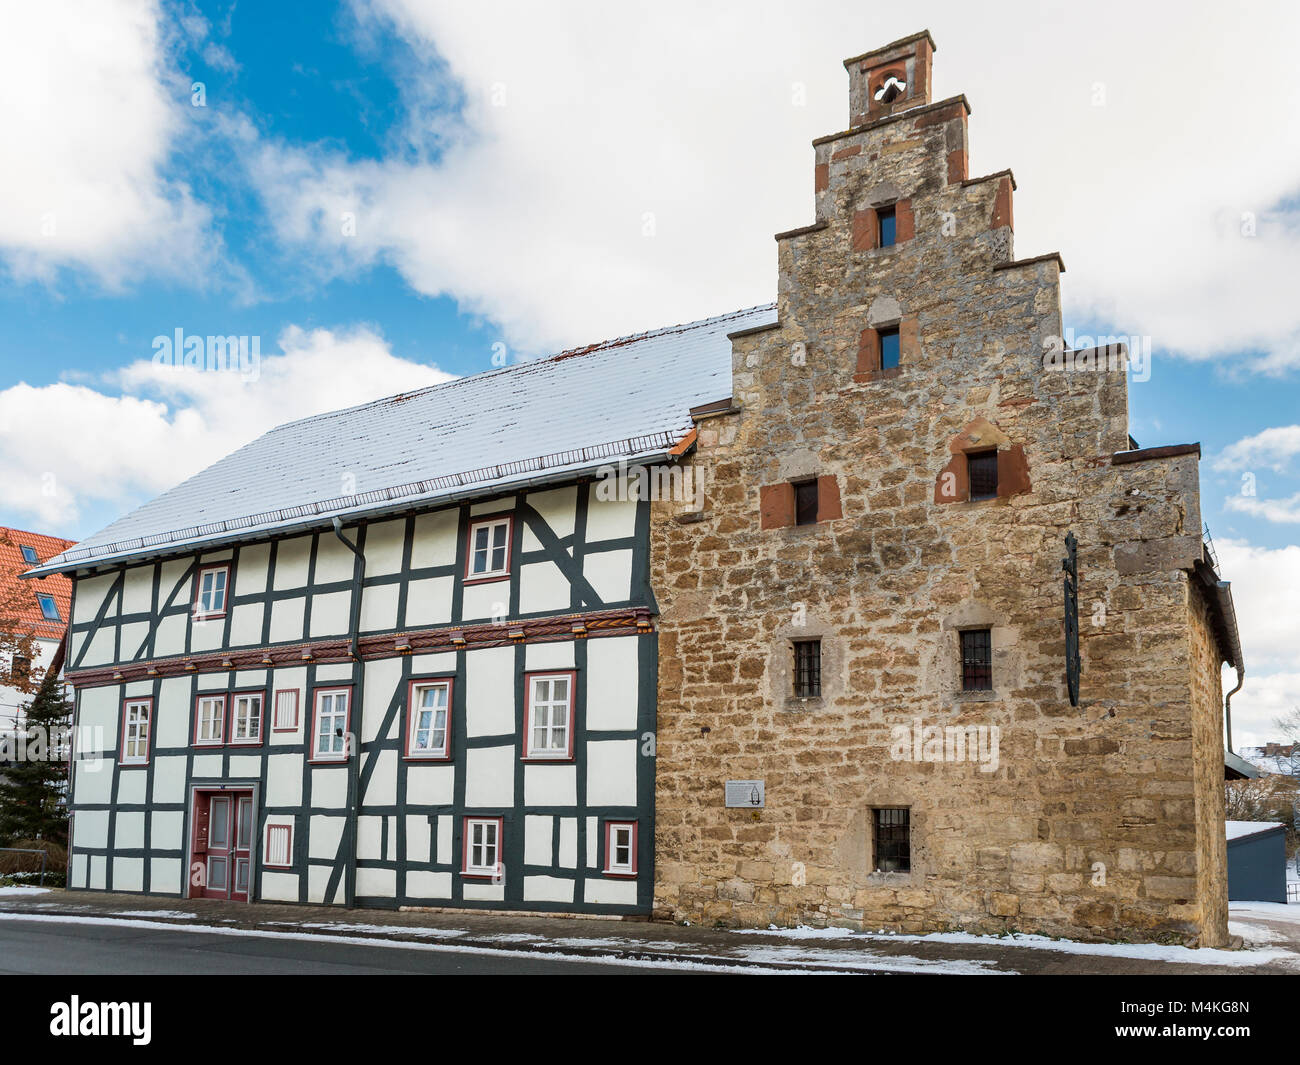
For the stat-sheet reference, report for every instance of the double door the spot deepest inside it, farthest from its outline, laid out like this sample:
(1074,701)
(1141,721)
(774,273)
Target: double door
(221,863)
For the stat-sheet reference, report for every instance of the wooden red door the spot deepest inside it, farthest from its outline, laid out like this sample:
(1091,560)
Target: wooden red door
(241,866)
(221,864)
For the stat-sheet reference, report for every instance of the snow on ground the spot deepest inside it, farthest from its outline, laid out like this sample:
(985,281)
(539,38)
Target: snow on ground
(181,914)
(23,890)
(386,929)
(1275,911)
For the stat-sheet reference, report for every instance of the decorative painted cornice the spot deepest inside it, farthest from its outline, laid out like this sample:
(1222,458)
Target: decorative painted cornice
(387,645)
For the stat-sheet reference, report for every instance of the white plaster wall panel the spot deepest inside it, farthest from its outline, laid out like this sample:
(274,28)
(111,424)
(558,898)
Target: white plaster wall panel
(490,692)
(428,602)
(94,777)
(430,785)
(165,876)
(568,843)
(377,883)
(382,679)
(481,891)
(539,656)
(131,786)
(370,836)
(611,892)
(100,652)
(330,614)
(329,786)
(250,573)
(610,574)
(550,785)
(492,506)
(419,839)
(207,765)
(593,842)
(334,561)
(138,689)
(543,587)
(318,878)
(207,635)
(245,766)
(169,636)
(382,788)
(78,872)
(279,887)
(384,542)
(539,835)
(98,871)
(246,624)
(489,777)
(612,681)
(166,830)
(287,620)
(292,559)
(172,713)
(379,608)
(213,682)
(137,590)
(134,634)
(558,508)
(435,539)
(90,597)
(548,889)
(421,884)
(91,829)
(284,780)
(425,665)
(483,602)
(128,874)
(175,577)
(220,554)
(611,772)
(337,673)
(128,831)
(324,836)
(169,778)
(250,678)
(446,828)
(609,519)
(97,718)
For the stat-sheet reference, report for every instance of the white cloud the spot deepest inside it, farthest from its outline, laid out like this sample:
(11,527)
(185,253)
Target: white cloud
(1262,700)
(1282,511)
(157,425)
(1265,590)
(1273,448)
(87,129)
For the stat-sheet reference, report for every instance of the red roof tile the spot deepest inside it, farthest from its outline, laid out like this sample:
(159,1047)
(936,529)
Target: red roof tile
(29,615)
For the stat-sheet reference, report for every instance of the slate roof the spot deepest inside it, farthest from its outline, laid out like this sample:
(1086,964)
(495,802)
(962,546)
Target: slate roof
(628,398)
(27,612)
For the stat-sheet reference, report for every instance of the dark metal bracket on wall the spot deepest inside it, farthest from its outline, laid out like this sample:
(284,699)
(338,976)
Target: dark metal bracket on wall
(1073,663)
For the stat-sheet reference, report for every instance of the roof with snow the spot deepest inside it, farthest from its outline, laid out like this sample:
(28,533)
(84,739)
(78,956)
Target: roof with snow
(628,398)
(1238,829)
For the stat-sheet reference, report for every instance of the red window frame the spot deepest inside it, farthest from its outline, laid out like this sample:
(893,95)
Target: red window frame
(478,874)
(121,740)
(297,703)
(609,870)
(288,848)
(261,726)
(425,682)
(314,757)
(490,519)
(525,747)
(225,708)
(198,592)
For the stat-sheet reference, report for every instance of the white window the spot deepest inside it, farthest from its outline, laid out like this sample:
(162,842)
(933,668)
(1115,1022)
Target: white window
(620,848)
(550,703)
(489,548)
(286,710)
(331,729)
(482,846)
(278,845)
(429,729)
(211,727)
(135,732)
(246,722)
(211,597)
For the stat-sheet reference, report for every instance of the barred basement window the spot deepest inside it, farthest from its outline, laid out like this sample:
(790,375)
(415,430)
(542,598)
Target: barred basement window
(893,841)
(888,227)
(278,846)
(286,711)
(977,660)
(982,472)
(805,503)
(807,668)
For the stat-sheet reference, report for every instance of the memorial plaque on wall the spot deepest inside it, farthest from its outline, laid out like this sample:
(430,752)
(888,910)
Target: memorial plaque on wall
(741,793)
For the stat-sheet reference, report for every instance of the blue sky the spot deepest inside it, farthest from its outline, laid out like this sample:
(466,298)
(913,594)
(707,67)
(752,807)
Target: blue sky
(387,192)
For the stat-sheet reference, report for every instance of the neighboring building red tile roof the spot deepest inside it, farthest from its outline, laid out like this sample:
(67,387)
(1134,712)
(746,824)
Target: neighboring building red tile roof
(29,615)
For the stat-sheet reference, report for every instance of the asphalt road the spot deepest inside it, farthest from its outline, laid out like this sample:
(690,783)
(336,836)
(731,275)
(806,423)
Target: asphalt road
(50,948)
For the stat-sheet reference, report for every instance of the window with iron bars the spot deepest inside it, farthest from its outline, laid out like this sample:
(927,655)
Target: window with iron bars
(807,668)
(893,840)
(982,471)
(977,660)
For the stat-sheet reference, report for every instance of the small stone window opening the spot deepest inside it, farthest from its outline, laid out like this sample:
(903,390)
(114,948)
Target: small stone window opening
(977,660)
(891,90)
(886,222)
(982,472)
(889,349)
(22,667)
(893,840)
(805,503)
(807,669)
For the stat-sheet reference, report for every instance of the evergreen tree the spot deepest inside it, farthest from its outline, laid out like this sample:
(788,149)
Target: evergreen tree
(33,784)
